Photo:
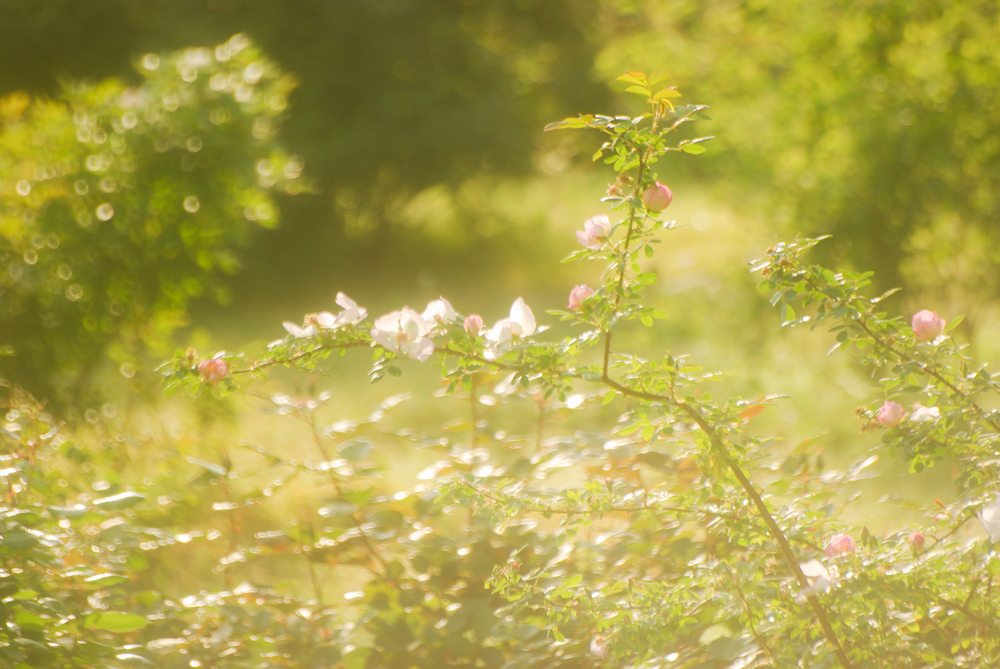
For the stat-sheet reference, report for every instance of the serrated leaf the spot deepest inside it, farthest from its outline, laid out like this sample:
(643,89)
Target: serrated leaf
(639,90)
(634,78)
(657,76)
(666,93)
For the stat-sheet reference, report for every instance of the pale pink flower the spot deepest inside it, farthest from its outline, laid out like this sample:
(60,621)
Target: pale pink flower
(579,295)
(917,541)
(599,646)
(473,324)
(404,331)
(594,232)
(351,314)
(839,545)
(922,414)
(439,313)
(657,197)
(213,370)
(927,325)
(891,414)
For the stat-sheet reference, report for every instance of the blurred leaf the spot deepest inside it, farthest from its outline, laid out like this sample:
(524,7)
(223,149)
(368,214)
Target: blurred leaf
(115,622)
(120,501)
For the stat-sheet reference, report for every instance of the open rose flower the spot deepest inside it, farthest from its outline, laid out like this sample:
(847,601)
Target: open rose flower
(404,331)
(308,328)
(657,197)
(820,579)
(922,414)
(351,314)
(891,414)
(840,544)
(213,370)
(579,295)
(594,232)
(989,516)
(927,325)
(520,324)
(438,313)
(599,646)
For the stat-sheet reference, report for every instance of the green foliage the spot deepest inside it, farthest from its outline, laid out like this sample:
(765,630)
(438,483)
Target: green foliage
(120,204)
(871,124)
(585,504)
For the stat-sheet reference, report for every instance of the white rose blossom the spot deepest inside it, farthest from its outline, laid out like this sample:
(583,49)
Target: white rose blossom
(351,314)
(820,579)
(922,414)
(404,331)
(439,313)
(989,516)
(520,324)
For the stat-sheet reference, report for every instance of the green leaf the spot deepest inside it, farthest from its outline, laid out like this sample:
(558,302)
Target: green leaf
(218,470)
(693,149)
(70,512)
(337,507)
(658,76)
(121,501)
(639,90)
(666,93)
(634,78)
(20,540)
(105,580)
(115,622)
(24,594)
(608,397)
(355,450)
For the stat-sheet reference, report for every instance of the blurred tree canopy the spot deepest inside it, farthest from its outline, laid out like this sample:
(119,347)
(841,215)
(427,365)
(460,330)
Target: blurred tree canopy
(392,97)
(118,205)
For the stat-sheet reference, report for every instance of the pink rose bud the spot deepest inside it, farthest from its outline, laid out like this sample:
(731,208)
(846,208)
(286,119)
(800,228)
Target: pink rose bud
(917,541)
(839,545)
(927,325)
(579,295)
(657,197)
(891,414)
(473,324)
(213,370)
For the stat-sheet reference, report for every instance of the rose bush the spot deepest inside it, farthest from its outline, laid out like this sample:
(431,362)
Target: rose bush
(638,521)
